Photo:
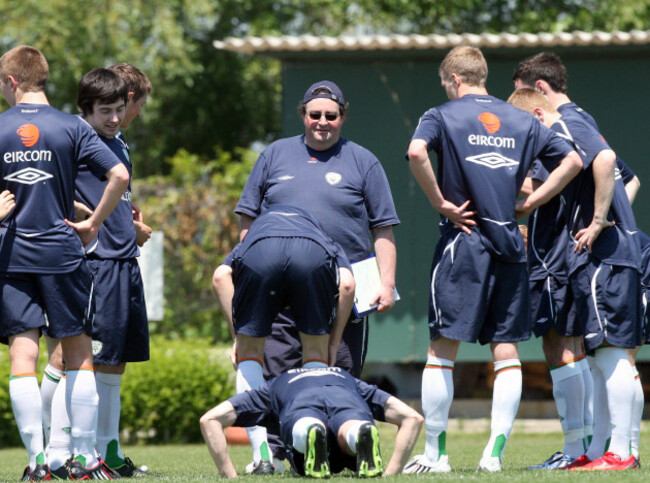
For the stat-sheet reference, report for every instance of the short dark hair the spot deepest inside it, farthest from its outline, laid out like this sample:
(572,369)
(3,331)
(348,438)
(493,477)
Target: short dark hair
(135,79)
(545,66)
(100,85)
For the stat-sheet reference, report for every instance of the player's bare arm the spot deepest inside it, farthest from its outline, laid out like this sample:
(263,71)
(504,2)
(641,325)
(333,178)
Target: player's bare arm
(409,423)
(568,168)
(213,424)
(118,181)
(81,211)
(386,254)
(224,289)
(422,170)
(7,203)
(603,171)
(343,308)
(632,188)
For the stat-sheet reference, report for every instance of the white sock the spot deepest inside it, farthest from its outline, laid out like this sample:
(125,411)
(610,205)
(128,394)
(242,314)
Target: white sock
(637,413)
(588,414)
(59,448)
(81,399)
(437,395)
(602,424)
(568,392)
(619,381)
(49,383)
(108,412)
(352,434)
(505,403)
(249,376)
(299,433)
(26,403)
(314,364)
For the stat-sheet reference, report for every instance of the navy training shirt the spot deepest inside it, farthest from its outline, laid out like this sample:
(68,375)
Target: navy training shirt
(299,389)
(116,238)
(345,188)
(485,147)
(548,236)
(284,221)
(617,245)
(41,148)
(571,109)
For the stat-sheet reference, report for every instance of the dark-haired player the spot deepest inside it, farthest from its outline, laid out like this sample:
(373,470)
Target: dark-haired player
(42,265)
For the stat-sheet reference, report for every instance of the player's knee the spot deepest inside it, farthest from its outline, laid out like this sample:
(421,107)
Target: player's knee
(346,283)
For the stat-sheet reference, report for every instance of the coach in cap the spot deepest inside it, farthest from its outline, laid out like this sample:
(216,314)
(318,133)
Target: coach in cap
(342,185)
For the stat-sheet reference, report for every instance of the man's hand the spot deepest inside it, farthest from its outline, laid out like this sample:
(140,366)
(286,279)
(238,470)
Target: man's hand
(458,215)
(7,203)
(81,211)
(587,236)
(142,232)
(385,299)
(85,229)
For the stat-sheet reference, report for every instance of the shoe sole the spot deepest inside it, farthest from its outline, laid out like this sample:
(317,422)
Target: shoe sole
(369,462)
(316,464)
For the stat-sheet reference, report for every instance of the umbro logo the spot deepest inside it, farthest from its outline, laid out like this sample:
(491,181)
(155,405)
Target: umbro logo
(28,176)
(493,160)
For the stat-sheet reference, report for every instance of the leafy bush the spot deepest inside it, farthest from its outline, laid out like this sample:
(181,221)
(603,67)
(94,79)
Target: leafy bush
(194,206)
(162,400)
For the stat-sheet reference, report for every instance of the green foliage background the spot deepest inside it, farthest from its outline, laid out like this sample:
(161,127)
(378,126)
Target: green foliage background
(162,400)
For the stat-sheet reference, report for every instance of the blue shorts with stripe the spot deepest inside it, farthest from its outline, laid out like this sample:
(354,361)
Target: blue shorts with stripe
(552,307)
(121,328)
(608,299)
(62,304)
(645,294)
(275,273)
(475,296)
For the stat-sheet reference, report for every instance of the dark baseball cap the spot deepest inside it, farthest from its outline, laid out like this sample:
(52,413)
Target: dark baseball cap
(324,90)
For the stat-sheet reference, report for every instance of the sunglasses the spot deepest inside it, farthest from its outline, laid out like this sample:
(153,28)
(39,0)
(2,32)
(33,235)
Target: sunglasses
(316,115)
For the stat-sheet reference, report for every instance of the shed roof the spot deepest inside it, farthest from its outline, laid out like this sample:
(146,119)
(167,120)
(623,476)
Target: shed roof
(283,45)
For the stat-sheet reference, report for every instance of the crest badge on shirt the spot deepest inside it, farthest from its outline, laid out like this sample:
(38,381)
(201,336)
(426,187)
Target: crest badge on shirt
(333,178)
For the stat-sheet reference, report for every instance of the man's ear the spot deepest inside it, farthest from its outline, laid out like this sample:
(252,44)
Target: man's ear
(539,114)
(129,96)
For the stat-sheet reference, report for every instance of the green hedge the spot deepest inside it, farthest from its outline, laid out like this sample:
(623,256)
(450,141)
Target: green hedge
(162,400)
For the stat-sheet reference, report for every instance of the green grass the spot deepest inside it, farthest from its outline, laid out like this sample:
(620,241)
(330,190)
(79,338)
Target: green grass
(192,463)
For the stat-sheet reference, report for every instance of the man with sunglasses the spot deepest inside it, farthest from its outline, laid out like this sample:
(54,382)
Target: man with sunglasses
(344,186)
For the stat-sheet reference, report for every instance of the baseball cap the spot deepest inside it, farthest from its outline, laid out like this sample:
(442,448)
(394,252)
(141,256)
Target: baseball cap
(326,90)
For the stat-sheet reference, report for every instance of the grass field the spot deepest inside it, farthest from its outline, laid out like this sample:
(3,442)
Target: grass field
(192,463)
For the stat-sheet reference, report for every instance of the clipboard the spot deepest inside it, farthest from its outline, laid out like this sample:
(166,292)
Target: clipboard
(368,282)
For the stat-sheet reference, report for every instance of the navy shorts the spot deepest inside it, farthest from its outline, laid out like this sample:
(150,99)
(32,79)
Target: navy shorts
(475,296)
(552,307)
(61,304)
(121,328)
(608,299)
(333,407)
(278,272)
(645,294)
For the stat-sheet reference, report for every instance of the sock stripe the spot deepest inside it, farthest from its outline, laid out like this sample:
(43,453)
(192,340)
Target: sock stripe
(251,359)
(25,374)
(564,363)
(313,360)
(508,368)
(438,366)
(82,368)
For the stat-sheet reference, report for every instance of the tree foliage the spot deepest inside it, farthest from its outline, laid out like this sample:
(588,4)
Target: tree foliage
(204,98)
